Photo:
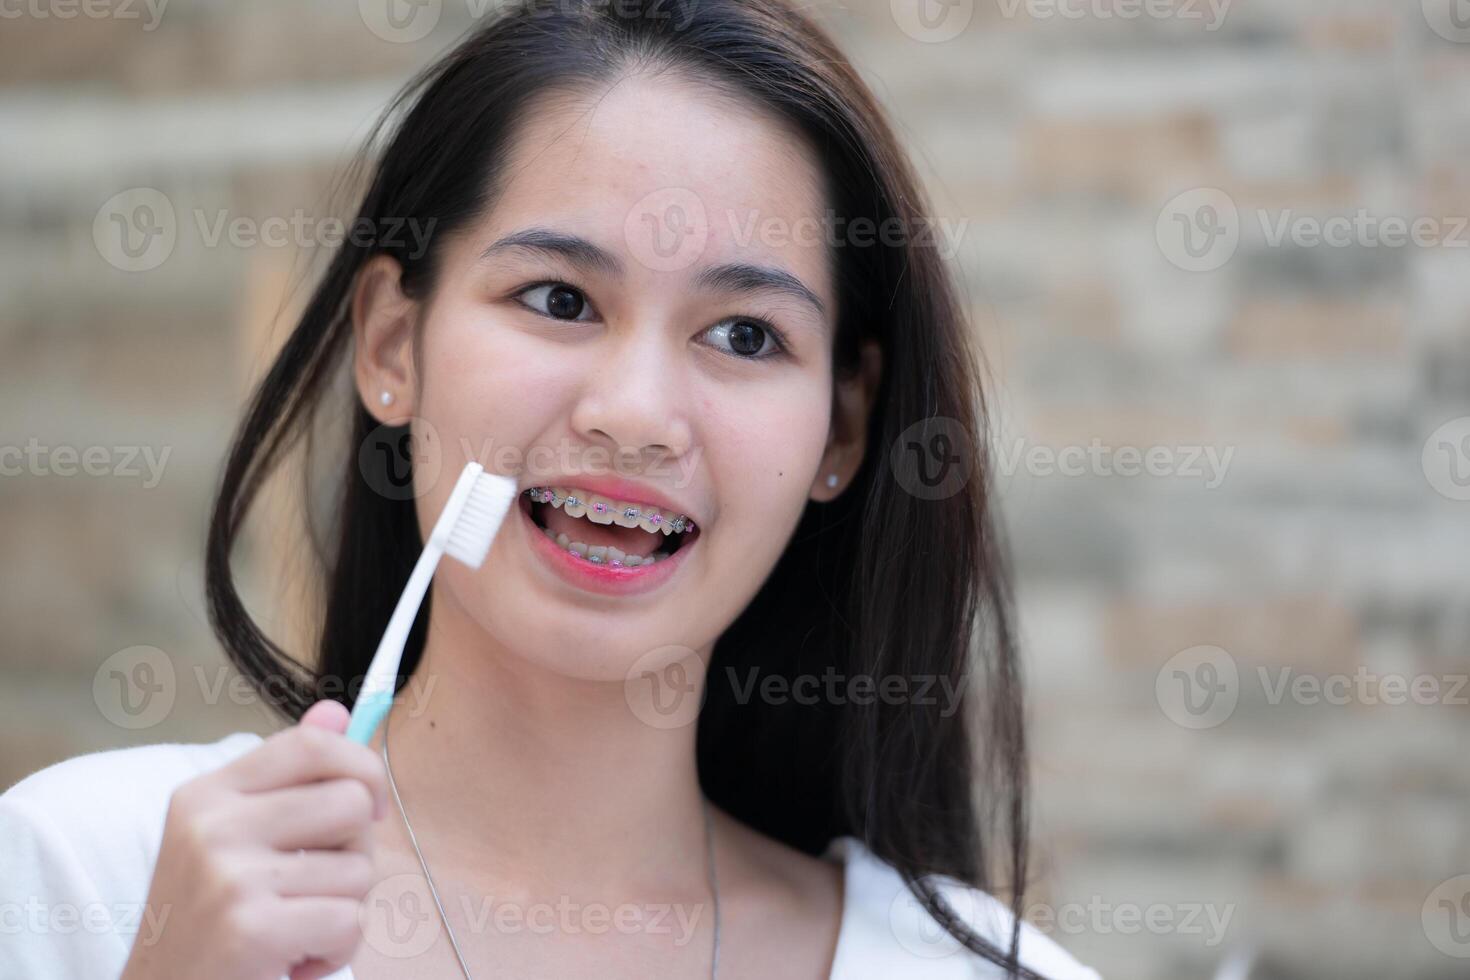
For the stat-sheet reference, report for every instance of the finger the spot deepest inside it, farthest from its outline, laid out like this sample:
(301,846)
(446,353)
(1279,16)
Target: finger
(330,814)
(330,874)
(328,714)
(307,754)
(315,928)
(312,969)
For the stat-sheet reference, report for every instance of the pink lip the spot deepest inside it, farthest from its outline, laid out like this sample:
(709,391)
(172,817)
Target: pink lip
(615,488)
(606,579)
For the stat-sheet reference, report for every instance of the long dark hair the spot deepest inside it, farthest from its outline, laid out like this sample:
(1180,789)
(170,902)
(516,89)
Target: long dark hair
(887,581)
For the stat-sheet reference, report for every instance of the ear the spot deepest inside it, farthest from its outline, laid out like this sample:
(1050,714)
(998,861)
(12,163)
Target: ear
(383,321)
(852,404)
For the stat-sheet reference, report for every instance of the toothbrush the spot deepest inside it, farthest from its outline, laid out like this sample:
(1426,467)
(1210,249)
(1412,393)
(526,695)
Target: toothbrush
(476,508)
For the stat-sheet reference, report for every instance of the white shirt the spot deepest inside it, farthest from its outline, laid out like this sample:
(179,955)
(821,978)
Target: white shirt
(78,842)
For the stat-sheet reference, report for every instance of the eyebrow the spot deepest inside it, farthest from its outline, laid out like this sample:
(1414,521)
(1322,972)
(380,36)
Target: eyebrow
(732,277)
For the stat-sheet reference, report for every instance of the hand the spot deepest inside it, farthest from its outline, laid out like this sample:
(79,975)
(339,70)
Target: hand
(241,902)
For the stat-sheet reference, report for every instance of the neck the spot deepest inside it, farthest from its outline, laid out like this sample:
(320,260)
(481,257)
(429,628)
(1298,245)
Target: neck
(527,775)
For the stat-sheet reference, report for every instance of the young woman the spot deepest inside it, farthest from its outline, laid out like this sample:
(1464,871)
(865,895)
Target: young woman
(677,264)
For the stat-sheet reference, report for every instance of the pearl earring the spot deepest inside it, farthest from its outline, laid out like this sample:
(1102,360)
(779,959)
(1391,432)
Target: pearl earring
(386,398)
(832,479)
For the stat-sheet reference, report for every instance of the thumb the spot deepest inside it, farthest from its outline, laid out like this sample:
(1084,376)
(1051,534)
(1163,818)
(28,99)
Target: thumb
(313,969)
(328,714)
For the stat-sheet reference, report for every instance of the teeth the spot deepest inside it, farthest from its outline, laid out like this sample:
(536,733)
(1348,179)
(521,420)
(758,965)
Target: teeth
(604,510)
(602,555)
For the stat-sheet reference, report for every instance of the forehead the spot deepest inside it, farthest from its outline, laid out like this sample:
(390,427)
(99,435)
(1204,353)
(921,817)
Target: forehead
(660,154)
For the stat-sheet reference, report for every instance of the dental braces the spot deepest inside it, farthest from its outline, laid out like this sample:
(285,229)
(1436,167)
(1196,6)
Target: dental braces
(547,495)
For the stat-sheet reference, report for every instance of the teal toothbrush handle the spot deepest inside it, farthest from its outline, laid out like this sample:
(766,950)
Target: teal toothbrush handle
(366,714)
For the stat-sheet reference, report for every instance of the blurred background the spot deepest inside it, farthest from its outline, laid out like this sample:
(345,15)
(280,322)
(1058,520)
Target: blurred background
(1218,256)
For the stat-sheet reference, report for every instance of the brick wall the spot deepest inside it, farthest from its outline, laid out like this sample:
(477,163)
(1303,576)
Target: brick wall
(1225,771)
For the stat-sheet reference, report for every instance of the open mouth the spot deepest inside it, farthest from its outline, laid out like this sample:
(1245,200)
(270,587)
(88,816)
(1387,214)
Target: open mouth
(607,532)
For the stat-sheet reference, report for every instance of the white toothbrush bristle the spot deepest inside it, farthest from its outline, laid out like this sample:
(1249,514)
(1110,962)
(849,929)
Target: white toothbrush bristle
(489,501)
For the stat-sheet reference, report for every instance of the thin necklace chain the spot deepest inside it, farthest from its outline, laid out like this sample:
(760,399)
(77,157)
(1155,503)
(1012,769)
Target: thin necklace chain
(709,843)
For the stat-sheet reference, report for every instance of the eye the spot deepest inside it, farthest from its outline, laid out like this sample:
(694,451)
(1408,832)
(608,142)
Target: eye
(748,338)
(557,300)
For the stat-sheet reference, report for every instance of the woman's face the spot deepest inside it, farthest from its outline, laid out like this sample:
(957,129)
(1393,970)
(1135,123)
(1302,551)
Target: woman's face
(651,301)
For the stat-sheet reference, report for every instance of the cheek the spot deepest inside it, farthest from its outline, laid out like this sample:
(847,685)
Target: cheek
(768,428)
(469,347)
(763,452)
(486,385)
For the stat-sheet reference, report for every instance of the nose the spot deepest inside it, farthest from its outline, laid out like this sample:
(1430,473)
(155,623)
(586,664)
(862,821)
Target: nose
(634,397)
